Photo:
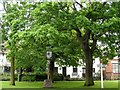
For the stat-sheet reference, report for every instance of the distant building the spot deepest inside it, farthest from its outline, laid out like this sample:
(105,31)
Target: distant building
(112,70)
(77,72)
(4,63)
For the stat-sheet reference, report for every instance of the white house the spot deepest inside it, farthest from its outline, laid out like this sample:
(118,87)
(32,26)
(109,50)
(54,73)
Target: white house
(4,64)
(77,72)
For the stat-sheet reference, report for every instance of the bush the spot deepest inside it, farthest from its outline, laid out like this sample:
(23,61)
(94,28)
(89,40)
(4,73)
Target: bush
(75,79)
(67,78)
(6,77)
(28,77)
(37,77)
(58,77)
(41,76)
(34,77)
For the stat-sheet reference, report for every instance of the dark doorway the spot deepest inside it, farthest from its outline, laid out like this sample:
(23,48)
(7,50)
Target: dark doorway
(83,72)
(55,69)
(64,71)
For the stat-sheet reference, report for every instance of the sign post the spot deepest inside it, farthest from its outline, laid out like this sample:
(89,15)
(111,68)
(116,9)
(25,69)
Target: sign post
(101,72)
(49,56)
(48,82)
(101,75)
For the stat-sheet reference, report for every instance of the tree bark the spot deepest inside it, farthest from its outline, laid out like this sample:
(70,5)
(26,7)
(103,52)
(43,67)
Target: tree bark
(12,79)
(84,44)
(89,68)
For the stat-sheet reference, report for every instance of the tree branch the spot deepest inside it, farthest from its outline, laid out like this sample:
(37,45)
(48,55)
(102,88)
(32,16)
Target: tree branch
(79,4)
(87,36)
(104,4)
(74,6)
(4,6)
(79,37)
(94,43)
(78,33)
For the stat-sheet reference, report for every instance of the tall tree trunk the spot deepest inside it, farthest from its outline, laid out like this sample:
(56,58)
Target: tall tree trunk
(12,79)
(84,44)
(51,71)
(89,68)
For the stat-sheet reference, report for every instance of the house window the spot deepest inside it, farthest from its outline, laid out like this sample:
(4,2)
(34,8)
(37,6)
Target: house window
(83,70)
(115,67)
(56,69)
(75,70)
(6,69)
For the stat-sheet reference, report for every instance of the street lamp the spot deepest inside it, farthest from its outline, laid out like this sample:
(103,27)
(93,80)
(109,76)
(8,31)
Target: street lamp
(102,67)
(49,57)
(49,54)
(48,81)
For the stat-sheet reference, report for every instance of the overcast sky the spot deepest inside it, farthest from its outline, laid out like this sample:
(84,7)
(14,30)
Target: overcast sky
(1,6)
(1,9)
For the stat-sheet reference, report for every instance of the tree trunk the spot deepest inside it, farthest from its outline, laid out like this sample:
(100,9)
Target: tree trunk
(51,72)
(12,79)
(89,68)
(88,52)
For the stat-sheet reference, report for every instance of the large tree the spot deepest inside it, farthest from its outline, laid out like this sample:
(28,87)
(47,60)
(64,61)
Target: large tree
(33,43)
(10,27)
(27,42)
(93,23)
(96,26)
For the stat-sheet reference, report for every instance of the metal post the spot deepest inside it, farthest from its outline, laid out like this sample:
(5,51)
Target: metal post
(48,70)
(48,82)
(101,76)
(19,74)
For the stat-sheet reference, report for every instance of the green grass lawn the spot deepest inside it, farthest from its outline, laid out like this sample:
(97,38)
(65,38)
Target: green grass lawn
(60,84)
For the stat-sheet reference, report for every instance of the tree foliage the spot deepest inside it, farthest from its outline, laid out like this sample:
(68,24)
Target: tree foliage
(28,40)
(74,30)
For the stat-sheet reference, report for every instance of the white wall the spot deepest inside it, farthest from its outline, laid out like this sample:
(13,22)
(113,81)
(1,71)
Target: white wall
(95,65)
(59,69)
(3,62)
(69,70)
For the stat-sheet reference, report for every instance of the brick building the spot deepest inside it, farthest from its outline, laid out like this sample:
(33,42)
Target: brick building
(112,70)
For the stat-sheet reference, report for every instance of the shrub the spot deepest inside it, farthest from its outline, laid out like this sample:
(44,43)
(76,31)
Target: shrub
(58,77)
(41,76)
(28,77)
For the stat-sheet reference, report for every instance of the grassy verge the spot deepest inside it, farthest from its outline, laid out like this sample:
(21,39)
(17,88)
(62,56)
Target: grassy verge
(60,84)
